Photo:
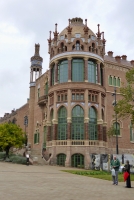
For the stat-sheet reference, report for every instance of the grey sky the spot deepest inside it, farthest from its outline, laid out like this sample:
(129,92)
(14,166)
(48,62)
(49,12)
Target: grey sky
(26,22)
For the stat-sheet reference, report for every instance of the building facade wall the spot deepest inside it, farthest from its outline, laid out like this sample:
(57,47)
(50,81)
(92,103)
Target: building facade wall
(59,88)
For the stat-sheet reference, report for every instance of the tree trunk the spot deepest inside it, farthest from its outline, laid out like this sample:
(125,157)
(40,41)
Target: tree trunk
(7,151)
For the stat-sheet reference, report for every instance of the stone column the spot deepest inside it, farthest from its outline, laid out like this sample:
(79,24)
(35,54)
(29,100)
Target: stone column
(98,71)
(69,69)
(86,69)
(50,77)
(55,120)
(104,81)
(48,121)
(105,122)
(56,72)
(100,121)
(69,120)
(86,118)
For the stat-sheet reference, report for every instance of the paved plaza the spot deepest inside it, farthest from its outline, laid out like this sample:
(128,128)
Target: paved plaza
(20,182)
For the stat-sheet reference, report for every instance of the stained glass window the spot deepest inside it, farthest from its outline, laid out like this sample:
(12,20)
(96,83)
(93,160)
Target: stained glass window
(62,123)
(92,124)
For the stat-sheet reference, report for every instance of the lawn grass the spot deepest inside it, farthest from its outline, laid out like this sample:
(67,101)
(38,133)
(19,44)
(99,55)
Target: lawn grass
(98,174)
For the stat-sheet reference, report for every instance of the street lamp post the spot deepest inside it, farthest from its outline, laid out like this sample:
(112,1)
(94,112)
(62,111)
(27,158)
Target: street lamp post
(26,123)
(114,94)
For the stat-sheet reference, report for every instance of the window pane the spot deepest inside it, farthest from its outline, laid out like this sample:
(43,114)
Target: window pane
(77,132)
(91,72)
(62,123)
(63,71)
(78,70)
(118,128)
(114,81)
(52,75)
(92,131)
(110,80)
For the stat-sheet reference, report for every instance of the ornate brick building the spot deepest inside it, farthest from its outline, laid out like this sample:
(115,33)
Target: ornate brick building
(71,105)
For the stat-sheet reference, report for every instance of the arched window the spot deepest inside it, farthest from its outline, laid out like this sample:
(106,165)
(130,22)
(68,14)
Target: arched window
(92,131)
(110,80)
(51,119)
(61,159)
(93,47)
(118,128)
(92,72)
(62,47)
(102,114)
(77,132)
(118,82)
(114,81)
(65,48)
(77,160)
(62,123)
(77,45)
(90,48)
(63,71)
(46,88)
(78,70)
(131,132)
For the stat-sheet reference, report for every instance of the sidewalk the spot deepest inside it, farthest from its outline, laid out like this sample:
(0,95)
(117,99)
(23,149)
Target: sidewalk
(20,182)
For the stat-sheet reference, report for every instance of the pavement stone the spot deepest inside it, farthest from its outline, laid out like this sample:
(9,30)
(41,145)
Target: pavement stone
(20,182)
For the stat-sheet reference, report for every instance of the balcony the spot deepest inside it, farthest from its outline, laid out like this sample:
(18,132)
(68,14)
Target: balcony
(43,100)
(77,143)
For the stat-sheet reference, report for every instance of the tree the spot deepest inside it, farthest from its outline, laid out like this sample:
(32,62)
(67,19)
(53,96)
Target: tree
(11,135)
(125,107)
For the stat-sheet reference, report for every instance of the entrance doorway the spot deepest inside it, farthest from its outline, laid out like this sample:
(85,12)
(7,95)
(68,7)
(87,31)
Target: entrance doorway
(77,160)
(61,159)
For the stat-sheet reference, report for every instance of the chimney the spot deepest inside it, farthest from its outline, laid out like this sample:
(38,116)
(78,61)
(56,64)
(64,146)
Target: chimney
(110,53)
(124,57)
(118,58)
(132,62)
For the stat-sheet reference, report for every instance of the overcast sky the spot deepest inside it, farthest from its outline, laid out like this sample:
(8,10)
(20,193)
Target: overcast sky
(26,22)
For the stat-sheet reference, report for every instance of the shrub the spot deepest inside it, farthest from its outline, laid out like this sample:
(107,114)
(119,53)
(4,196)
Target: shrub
(2,155)
(18,159)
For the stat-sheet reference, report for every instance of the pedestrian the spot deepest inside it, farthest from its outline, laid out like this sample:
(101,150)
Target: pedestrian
(27,156)
(115,164)
(127,169)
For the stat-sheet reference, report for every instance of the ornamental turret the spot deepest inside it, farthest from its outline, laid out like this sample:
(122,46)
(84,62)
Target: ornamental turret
(36,65)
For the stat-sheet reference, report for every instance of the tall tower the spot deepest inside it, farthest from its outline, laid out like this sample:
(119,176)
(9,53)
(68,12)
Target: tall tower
(35,72)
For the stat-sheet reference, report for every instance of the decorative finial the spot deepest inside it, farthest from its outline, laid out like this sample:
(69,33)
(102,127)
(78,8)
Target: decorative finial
(98,34)
(50,35)
(85,22)
(69,21)
(56,27)
(37,46)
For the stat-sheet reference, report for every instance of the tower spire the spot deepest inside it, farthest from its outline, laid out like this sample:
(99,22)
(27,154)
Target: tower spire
(98,34)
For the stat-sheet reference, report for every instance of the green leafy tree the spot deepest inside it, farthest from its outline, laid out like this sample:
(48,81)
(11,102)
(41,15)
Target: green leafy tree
(11,135)
(125,106)
(111,131)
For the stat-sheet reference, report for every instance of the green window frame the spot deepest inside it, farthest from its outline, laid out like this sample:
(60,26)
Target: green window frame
(101,76)
(92,72)
(51,118)
(63,71)
(131,133)
(92,131)
(77,160)
(36,138)
(114,81)
(53,75)
(118,128)
(118,82)
(77,70)
(62,123)
(77,132)
(110,80)
(61,158)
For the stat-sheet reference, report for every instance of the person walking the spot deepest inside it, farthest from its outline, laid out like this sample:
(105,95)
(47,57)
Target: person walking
(115,164)
(27,156)
(127,169)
